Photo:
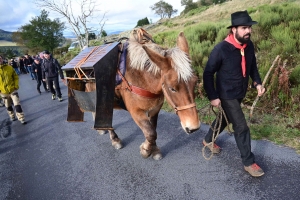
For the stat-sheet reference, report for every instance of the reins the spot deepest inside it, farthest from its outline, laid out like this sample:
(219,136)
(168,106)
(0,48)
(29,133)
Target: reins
(216,129)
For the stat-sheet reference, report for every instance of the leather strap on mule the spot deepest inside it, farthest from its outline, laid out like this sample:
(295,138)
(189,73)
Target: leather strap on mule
(137,90)
(176,108)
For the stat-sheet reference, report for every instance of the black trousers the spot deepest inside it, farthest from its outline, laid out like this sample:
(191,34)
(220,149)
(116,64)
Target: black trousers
(235,115)
(39,82)
(54,80)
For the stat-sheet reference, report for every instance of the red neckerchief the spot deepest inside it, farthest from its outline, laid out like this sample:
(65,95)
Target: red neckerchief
(232,41)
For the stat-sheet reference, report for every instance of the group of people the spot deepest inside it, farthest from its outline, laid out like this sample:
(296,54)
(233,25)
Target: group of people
(23,65)
(43,68)
(226,76)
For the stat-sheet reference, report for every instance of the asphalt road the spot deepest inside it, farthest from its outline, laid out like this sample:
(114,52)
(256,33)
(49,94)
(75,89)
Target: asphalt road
(50,158)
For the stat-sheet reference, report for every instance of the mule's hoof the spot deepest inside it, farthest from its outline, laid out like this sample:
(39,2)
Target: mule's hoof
(117,145)
(157,156)
(144,152)
(144,155)
(101,132)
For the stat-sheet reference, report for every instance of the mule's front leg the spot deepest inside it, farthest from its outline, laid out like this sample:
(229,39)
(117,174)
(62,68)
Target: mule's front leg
(149,147)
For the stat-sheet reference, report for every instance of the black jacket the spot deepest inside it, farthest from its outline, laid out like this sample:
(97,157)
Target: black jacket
(13,64)
(225,60)
(51,68)
(28,61)
(38,69)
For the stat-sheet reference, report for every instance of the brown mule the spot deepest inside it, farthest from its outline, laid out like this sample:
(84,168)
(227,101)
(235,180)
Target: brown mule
(153,73)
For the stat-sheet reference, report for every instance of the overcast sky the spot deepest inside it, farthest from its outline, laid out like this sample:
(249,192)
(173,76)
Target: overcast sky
(121,15)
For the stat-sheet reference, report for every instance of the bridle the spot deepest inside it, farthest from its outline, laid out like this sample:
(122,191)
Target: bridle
(176,108)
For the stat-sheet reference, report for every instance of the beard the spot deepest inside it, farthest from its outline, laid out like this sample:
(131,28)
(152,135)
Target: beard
(243,39)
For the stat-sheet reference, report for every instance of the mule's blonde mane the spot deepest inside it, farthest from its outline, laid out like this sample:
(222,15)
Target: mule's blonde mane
(140,60)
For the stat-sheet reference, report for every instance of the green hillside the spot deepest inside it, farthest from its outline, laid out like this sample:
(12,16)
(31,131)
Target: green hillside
(5,35)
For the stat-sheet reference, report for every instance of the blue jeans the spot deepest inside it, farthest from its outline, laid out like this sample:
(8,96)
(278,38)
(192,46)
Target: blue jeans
(235,115)
(17,71)
(26,68)
(32,73)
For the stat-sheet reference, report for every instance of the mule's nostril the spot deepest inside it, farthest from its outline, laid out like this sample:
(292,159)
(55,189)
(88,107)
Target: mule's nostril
(190,130)
(187,130)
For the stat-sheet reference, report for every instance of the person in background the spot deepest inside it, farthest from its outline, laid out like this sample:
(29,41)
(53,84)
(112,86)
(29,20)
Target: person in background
(232,62)
(27,63)
(21,65)
(36,67)
(50,71)
(9,84)
(15,66)
(41,57)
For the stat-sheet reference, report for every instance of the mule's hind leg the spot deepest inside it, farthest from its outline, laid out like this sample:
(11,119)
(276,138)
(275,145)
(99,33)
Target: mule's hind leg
(115,140)
(101,132)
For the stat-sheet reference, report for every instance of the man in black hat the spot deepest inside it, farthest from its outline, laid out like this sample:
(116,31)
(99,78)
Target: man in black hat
(233,61)
(50,71)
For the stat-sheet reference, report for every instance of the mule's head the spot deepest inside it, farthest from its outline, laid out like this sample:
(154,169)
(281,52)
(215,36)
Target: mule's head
(178,82)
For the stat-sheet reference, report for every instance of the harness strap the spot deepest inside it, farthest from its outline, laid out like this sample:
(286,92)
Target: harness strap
(144,93)
(137,90)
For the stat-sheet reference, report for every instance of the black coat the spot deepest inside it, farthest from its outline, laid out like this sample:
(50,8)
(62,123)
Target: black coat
(51,68)
(13,64)
(225,61)
(28,61)
(38,70)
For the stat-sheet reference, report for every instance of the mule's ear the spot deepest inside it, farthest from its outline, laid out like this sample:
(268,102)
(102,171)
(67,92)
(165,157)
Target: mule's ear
(159,60)
(182,43)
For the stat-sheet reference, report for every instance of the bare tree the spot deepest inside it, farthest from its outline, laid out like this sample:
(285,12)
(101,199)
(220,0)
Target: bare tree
(78,21)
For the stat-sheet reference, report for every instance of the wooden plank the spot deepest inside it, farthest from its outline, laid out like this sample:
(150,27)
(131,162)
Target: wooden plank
(75,114)
(105,74)
(96,54)
(103,60)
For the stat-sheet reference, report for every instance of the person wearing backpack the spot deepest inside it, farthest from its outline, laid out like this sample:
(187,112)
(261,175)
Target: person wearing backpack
(50,71)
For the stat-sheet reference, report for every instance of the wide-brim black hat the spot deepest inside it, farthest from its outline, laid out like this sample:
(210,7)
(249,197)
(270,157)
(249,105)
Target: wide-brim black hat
(241,18)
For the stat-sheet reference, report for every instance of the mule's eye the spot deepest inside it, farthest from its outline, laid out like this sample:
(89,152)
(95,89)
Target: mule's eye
(172,90)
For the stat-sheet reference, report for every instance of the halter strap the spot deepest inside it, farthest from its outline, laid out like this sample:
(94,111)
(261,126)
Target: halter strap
(176,108)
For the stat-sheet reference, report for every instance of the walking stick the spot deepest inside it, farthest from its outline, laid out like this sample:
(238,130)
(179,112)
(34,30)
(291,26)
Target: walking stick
(263,83)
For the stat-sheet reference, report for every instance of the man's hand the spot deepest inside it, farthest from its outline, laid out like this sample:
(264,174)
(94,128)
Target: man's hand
(260,90)
(215,102)
(63,80)
(44,80)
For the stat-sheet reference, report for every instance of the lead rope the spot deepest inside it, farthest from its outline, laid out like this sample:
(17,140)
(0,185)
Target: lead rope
(216,129)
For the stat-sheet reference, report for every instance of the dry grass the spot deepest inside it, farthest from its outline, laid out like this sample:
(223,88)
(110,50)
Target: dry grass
(7,43)
(217,13)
